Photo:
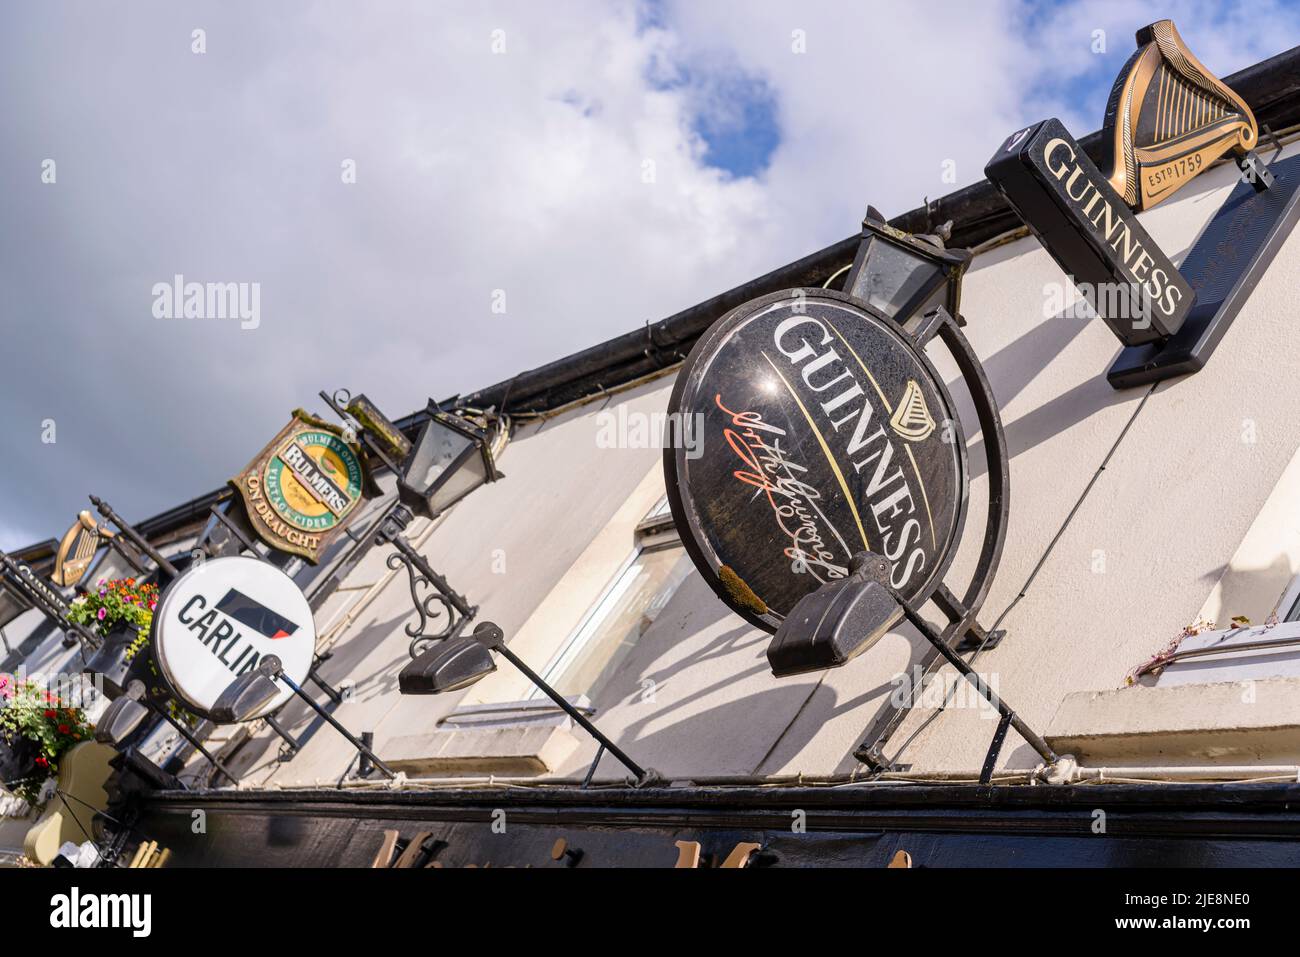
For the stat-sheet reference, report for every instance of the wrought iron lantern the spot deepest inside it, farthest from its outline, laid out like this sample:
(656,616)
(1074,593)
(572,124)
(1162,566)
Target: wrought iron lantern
(449,459)
(904,275)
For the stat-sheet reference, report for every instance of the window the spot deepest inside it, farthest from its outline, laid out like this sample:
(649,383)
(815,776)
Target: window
(625,611)
(1289,606)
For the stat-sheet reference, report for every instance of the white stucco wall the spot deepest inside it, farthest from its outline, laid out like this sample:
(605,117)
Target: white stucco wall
(1155,539)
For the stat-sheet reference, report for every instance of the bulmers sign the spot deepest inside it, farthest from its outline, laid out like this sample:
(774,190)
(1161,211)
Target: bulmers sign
(301,489)
(826,432)
(216,621)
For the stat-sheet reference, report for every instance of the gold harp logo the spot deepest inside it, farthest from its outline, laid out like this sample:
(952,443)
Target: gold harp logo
(912,420)
(77,550)
(1169,118)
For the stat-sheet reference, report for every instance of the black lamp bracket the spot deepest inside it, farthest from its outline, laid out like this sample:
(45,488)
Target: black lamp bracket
(963,631)
(166,569)
(439,598)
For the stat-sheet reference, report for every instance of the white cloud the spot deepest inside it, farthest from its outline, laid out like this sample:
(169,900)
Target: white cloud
(476,171)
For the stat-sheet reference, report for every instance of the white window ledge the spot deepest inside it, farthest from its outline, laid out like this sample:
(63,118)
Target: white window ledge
(1251,721)
(517,738)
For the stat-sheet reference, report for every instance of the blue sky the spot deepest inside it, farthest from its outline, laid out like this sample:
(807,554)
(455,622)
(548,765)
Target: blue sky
(742,136)
(588,165)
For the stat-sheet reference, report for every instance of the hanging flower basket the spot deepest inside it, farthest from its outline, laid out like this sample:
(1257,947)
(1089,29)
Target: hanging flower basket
(17,761)
(121,611)
(36,728)
(123,656)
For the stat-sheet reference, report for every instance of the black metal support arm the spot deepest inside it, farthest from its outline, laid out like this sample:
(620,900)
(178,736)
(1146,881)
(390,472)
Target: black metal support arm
(933,637)
(138,540)
(195,743)
(492,638)
(329,719)
(291,744)
(420,574)
(963,630)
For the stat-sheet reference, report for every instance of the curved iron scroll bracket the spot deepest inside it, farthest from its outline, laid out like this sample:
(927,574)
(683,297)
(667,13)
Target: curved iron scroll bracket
(439,599)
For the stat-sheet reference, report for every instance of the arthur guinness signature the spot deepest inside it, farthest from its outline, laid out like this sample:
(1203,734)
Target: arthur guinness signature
(793,501)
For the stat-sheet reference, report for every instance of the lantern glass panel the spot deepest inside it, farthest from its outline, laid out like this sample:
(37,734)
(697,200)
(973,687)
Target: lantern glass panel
(436,451)
(446,465)
(896,281)
(456,484)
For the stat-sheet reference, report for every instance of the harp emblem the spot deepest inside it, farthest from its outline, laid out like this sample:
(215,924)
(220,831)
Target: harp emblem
(912,420)
(1169,118)
(77,550)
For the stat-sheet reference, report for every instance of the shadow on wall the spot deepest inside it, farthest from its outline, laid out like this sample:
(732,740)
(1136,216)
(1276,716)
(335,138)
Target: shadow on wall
(1254,592)
(1012,368)
(766,723)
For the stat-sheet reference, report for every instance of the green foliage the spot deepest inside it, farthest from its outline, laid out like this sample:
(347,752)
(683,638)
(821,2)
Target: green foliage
(114,602)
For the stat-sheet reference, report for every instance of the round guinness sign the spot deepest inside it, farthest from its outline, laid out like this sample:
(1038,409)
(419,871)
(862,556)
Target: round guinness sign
(817,430)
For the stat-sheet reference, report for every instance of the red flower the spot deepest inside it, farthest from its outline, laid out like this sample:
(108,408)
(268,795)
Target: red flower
(64,729)
(51,714)
(43,762)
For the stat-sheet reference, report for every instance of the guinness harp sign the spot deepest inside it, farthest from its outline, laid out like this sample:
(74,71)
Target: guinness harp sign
(302,488)
(77,549)
(1168,120)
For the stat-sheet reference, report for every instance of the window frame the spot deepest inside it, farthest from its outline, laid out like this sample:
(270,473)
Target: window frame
(655,532)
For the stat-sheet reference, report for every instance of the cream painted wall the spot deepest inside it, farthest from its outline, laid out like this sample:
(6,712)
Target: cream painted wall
(1171,509)
(1160,536)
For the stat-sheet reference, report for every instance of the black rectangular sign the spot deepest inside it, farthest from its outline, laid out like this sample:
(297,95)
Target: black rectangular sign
(1091,233)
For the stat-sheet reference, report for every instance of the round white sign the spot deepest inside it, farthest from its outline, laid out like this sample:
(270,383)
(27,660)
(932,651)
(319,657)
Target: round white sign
(216,621)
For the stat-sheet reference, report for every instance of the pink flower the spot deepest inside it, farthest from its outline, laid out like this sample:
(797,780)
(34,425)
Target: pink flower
(101,613)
